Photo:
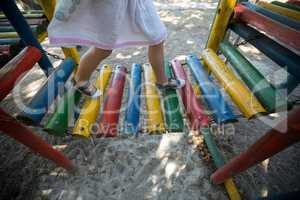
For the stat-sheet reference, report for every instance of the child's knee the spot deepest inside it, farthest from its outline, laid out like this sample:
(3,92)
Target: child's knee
(102,53)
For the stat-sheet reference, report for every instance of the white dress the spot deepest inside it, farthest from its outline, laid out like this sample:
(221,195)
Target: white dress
(106,24)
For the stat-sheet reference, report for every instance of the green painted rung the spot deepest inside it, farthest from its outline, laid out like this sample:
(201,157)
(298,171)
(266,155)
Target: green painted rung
(174,120)
(286,5)
(262,89)
(59,120)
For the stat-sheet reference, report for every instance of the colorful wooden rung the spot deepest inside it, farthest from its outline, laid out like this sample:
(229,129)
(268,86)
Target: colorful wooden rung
(221,111)
(271,143)
(280,10)
(281,32)
(275,51)
(58,122)
(259,86)
(38,106)
(219,162)
(246,102)
(155,119)
(17,67)
(132,117)
(17,20)
(173,117)
(9,41)
(194,111)
(11,127)
(286,5)
(275,16)
(109,118)
(91,107)
(220,23)
(294,2)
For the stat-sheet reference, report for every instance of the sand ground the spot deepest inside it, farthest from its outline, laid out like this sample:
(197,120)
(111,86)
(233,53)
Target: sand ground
(147,167)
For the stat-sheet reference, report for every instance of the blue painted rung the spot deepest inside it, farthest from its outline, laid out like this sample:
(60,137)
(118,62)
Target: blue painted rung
(221,111)
(40,103)
(132,116)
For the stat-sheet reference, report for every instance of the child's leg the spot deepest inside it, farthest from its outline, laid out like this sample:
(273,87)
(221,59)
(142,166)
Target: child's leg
(156,59)
(89,62)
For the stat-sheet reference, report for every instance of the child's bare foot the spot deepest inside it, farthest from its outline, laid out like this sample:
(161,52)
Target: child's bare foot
(171,84)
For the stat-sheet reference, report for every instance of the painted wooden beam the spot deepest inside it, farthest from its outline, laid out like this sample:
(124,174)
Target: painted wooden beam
(270,98)
(221,111)
(219,161)
(273,15)
(16,68)
(17,20)
(91,107)
(275,51)
(280,10)
(243,98)
(34,112)
(11,127)
(109,118)
(194,111)
(294,2)
(58,122)
(271,143)
(132,116)
(219,26)
(173,117)
(281,32)
(155,119)
(286,5)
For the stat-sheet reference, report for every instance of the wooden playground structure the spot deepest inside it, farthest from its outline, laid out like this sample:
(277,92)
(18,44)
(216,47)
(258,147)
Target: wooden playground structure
(272,28)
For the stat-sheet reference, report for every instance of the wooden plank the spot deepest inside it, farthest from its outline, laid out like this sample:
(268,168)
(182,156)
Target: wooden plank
(281,32)
(280,10)
(270,98)
(109,118)
(193,109)
(155,119)
(91,107)
(17,67)
(132,116)
(243,98)
(275,51)
(220,109)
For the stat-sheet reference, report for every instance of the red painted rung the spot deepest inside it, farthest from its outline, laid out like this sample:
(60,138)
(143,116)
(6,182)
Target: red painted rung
(270,144)
(283,33)
(193,109)
(20,64)
(295,2)
(108,125)
(12,128)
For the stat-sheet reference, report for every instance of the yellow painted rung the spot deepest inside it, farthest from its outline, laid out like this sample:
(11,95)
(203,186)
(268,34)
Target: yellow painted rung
(155,120)
(9,35)
(243,98)
(232,189)
(280,10)
(91,107)
(42,36)
(219,27)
